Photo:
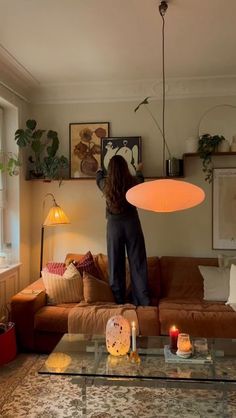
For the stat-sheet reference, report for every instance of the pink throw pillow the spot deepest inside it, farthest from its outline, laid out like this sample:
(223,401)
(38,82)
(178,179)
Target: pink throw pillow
(56,268)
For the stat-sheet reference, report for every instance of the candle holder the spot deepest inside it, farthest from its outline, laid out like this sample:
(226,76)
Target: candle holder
(134,357)
(184,346)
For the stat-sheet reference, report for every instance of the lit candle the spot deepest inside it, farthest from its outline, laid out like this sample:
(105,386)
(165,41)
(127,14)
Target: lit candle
(173,332)
(133,333)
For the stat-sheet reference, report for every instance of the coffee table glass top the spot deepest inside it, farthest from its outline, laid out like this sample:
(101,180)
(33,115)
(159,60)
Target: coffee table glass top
(86,355)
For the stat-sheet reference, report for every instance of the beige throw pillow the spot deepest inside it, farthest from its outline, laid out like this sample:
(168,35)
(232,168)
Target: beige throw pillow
(232,286)
(63,289)
(96,290)
(216,283)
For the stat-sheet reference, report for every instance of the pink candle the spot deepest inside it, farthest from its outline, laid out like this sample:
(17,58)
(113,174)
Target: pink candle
(173,333)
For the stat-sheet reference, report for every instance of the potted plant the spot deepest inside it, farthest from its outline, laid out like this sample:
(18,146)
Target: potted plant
(207,144)
(44,161)
(173,165)
(9,163)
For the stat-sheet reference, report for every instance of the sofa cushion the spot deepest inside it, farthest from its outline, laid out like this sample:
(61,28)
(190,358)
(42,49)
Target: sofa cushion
(197,318)
(53,318)
(101,262)
(181,278)
(63,289)
(96,290)
(148,319)
(216,283)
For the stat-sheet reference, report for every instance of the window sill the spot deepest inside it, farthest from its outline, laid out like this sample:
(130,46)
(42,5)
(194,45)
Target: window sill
(9,268)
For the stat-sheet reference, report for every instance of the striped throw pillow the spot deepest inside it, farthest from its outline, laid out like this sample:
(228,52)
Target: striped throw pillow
(63,289)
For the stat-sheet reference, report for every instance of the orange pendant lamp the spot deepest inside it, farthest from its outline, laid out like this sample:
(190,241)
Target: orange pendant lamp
(165,194)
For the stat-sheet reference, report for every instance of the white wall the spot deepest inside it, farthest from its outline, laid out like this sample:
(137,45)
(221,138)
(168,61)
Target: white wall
(185,233)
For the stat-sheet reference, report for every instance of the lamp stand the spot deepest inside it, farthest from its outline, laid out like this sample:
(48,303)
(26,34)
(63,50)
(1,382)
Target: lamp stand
(41,250)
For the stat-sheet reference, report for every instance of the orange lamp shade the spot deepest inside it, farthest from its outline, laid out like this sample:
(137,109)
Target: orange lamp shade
(165,195)
(56,216)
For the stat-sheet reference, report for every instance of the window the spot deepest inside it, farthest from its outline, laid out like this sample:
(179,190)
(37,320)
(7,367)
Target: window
(2,183)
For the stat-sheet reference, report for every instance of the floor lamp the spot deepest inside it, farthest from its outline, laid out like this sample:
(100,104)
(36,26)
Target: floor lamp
(56,216)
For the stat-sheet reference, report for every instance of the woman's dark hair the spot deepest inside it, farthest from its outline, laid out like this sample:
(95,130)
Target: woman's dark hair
(118,181)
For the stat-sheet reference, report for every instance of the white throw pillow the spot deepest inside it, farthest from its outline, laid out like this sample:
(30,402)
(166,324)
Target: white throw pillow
(63,289)
(216,283)
(232,286)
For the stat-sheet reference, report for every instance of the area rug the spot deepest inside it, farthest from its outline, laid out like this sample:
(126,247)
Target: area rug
(25,393)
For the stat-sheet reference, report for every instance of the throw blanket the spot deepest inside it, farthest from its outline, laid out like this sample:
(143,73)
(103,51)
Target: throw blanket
(90,318)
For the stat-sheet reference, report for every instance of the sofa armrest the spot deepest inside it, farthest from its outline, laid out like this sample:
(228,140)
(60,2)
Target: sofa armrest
(24,305)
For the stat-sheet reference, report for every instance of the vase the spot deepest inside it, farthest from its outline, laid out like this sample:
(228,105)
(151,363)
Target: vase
(191,144)
(174,167)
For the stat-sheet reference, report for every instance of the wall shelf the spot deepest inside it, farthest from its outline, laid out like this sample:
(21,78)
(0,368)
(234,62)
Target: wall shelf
(185,155)
(196,154)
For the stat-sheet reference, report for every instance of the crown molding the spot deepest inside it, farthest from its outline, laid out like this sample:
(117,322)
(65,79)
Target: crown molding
(20,81)
(15,77)
(176,88)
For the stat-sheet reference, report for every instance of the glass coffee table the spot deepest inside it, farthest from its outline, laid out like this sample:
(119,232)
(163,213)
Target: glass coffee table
(85,357)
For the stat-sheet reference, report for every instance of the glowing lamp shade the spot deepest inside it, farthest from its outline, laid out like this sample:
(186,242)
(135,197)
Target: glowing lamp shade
(165,195)
(118,335)
(56,216)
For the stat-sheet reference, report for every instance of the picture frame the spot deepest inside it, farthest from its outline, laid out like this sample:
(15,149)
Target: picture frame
(129,147)
(224,209)
(85,148)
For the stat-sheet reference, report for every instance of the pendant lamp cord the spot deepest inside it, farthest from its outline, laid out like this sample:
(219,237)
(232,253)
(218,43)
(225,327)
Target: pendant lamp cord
(162,9)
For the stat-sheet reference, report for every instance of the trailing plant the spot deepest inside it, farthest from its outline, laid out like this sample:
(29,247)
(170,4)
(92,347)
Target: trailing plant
(207,144)
(9,163)
(44,161)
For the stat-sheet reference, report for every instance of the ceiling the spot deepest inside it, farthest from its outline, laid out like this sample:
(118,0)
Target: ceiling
(66,42)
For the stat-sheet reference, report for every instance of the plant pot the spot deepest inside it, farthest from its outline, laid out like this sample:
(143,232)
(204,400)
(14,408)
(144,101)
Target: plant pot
(7,343)
(34,175)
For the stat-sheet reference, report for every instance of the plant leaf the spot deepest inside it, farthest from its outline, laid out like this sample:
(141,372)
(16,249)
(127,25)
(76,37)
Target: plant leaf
(31,124)
(145,101)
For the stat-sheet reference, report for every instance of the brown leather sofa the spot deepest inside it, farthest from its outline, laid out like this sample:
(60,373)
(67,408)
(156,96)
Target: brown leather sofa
(176,291)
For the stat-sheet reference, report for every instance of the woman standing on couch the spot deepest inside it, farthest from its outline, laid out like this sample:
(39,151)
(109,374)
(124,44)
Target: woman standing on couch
(124,231)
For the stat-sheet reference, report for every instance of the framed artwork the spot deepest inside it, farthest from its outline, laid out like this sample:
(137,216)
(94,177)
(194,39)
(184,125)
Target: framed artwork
(129,147)
(224,208)
(85,148)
